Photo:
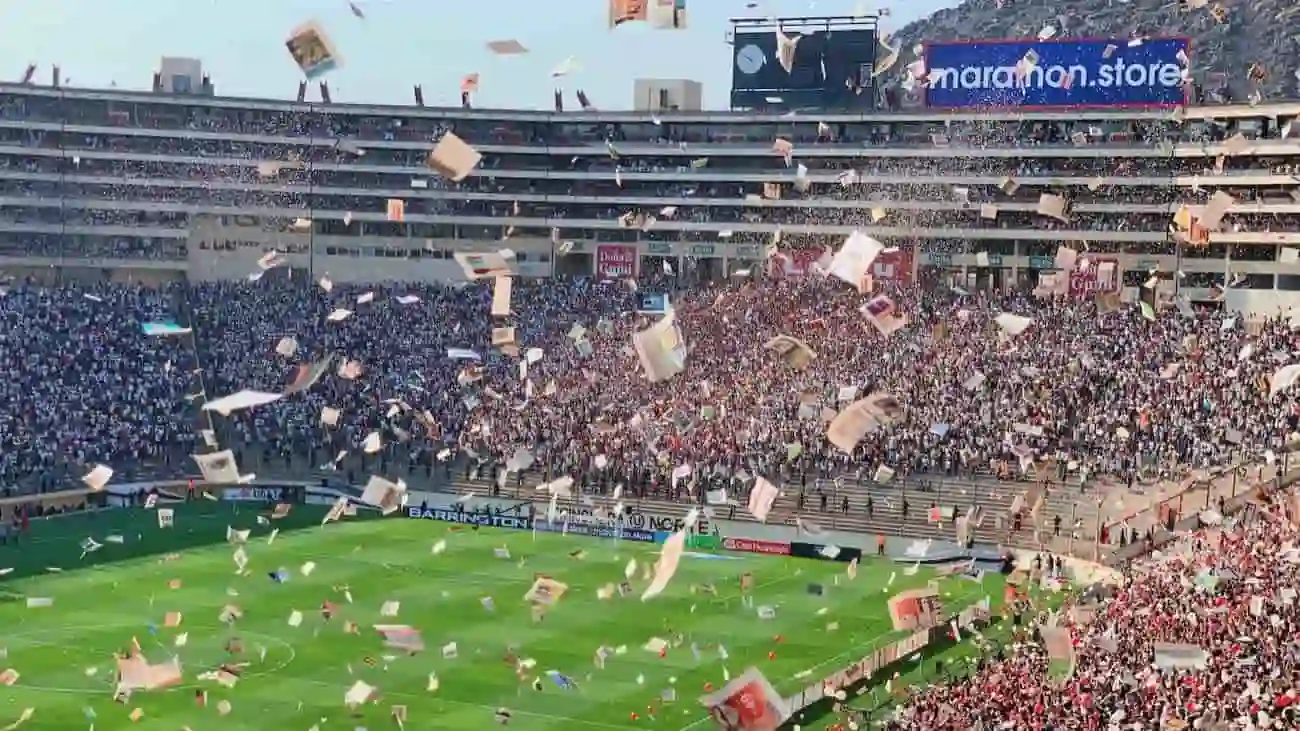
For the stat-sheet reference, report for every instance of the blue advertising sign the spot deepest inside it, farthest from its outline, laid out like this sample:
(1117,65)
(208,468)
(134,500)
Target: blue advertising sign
(601,531)
(497,520)
(1067,73)
(653,304)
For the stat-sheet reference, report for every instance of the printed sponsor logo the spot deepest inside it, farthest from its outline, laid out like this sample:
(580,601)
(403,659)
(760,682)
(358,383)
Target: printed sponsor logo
(749,545)
(1086,282)
(1068,72)
(598,531)
(653,304)
(633,520)
(616,262)
(468,518)
(258,494)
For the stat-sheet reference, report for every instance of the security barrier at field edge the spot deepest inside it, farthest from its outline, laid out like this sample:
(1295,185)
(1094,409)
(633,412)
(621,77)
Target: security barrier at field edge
(854,676)
(130,531)
(120,494)
(878,658)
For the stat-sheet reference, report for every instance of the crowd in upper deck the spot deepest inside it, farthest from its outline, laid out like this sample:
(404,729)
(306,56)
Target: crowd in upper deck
(300,187)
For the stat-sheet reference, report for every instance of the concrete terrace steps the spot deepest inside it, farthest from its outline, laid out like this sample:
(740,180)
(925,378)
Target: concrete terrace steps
(886,517)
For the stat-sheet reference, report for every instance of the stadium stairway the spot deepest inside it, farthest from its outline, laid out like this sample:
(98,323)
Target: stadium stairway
(1077,506)
(886,517)
(992,496)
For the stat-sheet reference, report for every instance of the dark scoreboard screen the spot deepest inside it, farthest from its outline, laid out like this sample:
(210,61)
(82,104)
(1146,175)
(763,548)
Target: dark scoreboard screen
(832,69)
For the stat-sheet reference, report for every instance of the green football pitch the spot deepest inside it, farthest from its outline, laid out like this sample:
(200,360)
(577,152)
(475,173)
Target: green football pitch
(296,677)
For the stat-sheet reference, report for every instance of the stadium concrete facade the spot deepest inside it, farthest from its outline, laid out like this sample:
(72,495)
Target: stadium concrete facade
(146,186)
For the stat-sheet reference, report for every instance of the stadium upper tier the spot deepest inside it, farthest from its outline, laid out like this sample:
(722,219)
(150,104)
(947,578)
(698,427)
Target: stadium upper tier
(204,186)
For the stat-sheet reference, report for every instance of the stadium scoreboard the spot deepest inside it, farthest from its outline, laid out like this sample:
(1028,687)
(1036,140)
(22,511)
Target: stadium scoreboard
(833,64)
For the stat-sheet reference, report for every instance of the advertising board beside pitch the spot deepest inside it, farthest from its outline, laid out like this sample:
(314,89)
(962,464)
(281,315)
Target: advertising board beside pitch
(633,520)
(1067,73)
(756,545)
(465,517)
(601,531)
(253,494)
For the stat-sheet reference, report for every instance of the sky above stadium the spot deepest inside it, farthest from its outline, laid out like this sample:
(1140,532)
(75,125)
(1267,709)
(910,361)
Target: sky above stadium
(400,42)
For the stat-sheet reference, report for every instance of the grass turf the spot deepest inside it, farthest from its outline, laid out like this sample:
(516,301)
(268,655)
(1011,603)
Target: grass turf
(306,670)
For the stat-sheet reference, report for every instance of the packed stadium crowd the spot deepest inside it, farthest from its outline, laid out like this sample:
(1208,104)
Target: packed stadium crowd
(334,140)
(415,384)
(323,125)
(1188,391)
(1202,636)
(85,386)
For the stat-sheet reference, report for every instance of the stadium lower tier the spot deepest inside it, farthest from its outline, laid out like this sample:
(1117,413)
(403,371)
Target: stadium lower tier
(1253,276)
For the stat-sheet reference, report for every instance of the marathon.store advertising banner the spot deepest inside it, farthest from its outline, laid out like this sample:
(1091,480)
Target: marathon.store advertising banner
(653,304)
(1067,73)
(616,261)
(889,266)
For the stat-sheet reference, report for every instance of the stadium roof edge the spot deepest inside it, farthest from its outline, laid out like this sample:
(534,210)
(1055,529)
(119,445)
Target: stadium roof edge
(1282,109)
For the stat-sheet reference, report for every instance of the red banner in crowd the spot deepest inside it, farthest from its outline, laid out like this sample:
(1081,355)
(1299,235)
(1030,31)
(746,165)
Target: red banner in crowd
(893,266)
(1087,282)
(889,266)
(616,261)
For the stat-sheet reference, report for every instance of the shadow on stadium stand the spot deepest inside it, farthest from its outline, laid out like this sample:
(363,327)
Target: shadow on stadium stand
(56,542)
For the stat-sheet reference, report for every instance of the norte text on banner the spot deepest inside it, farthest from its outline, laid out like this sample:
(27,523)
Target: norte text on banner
(635,519)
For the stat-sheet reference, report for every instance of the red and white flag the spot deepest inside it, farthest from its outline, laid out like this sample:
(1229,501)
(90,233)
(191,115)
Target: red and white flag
(747,703)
